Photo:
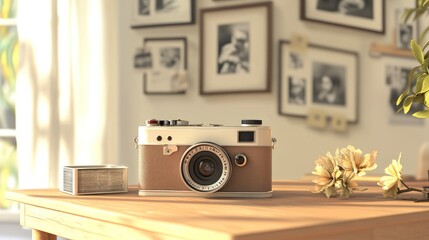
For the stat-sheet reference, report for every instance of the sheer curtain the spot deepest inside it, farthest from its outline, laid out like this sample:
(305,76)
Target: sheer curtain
(66,94)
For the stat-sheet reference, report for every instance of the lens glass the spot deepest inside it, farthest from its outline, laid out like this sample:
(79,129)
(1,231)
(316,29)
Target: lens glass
(205,168)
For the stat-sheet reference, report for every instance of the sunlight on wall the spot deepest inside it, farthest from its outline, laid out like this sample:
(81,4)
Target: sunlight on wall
(64,81)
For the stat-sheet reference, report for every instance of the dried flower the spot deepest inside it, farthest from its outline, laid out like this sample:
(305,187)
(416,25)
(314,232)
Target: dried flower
(328,174)
(347,184)
(393,182)
(353,160)
(335,173)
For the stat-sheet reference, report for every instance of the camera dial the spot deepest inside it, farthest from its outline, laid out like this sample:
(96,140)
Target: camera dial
(240,160)
(205,167)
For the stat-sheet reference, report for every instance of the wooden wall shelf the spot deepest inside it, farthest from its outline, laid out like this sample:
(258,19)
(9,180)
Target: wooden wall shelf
(378,50)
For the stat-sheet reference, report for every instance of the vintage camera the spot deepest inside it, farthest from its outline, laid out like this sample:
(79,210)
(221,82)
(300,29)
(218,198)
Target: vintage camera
(181,159)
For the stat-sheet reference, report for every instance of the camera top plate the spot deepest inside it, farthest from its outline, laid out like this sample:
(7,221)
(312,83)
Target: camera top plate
(250,133)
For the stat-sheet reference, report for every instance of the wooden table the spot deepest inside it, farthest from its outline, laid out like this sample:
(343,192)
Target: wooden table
(294,212)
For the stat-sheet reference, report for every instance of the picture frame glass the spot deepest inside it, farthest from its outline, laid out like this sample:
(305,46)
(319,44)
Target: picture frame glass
(404,32)
(396,72)
(168,63)
(235,50)
(360,14)
(148,13)
(318,78)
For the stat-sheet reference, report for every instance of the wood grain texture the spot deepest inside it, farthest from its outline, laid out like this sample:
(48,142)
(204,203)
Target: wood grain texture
(390,50)
(39,235)
(294,212)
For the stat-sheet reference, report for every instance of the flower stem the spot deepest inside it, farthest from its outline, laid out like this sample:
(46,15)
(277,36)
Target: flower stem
(404,184)
(408,189)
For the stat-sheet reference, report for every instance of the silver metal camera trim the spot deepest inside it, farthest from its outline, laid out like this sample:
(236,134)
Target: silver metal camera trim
(188,135)
(177,193)
(222,155)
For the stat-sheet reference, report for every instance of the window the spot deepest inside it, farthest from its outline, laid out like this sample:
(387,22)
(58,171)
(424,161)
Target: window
(8,66)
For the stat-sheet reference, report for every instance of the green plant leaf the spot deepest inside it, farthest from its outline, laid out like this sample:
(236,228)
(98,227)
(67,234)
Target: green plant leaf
(417,51)
(413,74)
(425,86)
(419,98)
(426,102)
(422,84)
(427,43)
(421,114)
(407,14)
(399,110)
(407,103)
(423,35)
(425,66)
(402,96)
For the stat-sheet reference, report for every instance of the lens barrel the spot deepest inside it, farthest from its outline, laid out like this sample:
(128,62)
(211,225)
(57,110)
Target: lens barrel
(205,167)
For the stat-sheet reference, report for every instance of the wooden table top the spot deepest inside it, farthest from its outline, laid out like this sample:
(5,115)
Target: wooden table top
(292,211)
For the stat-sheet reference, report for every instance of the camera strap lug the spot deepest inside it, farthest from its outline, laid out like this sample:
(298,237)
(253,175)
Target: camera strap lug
(274,142)
(169,149)
(136,140)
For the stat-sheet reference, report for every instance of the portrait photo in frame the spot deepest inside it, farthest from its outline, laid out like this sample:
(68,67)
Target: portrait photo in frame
(368,15)
(405,31)
(396,78)
(321,78)
(155,13)
(168,64)
(235,54)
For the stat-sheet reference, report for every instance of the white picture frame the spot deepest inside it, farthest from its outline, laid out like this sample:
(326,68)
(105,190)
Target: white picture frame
(167,74)
(156,13)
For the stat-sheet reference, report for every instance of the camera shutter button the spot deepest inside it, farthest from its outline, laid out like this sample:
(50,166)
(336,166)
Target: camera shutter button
(240,159)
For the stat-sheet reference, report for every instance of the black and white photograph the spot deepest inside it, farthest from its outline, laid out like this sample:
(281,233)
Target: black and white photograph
(233,48)
(156,13)
(297,88)
(405,31)
(170,57)
(329,84)
(166,6)
(144,7)
(168,64)
(396,80)
(143,59)
(357,8)
(296,60)
(368,15)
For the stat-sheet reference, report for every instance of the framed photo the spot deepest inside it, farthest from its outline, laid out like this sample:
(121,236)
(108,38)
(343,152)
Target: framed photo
(155,13)
(396,74)
(168,64)
(404,32)
(368,15)
(235,49)
(321,78)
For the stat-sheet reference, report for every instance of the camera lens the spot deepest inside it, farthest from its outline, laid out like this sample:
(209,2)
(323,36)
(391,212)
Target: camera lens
(205,167)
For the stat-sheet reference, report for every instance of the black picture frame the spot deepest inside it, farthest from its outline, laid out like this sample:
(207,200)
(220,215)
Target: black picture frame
(371,17)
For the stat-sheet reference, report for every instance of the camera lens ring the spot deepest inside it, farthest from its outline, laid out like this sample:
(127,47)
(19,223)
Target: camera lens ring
(218,154)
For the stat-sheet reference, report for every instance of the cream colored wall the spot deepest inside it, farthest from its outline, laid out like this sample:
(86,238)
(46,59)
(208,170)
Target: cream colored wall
(298,145)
